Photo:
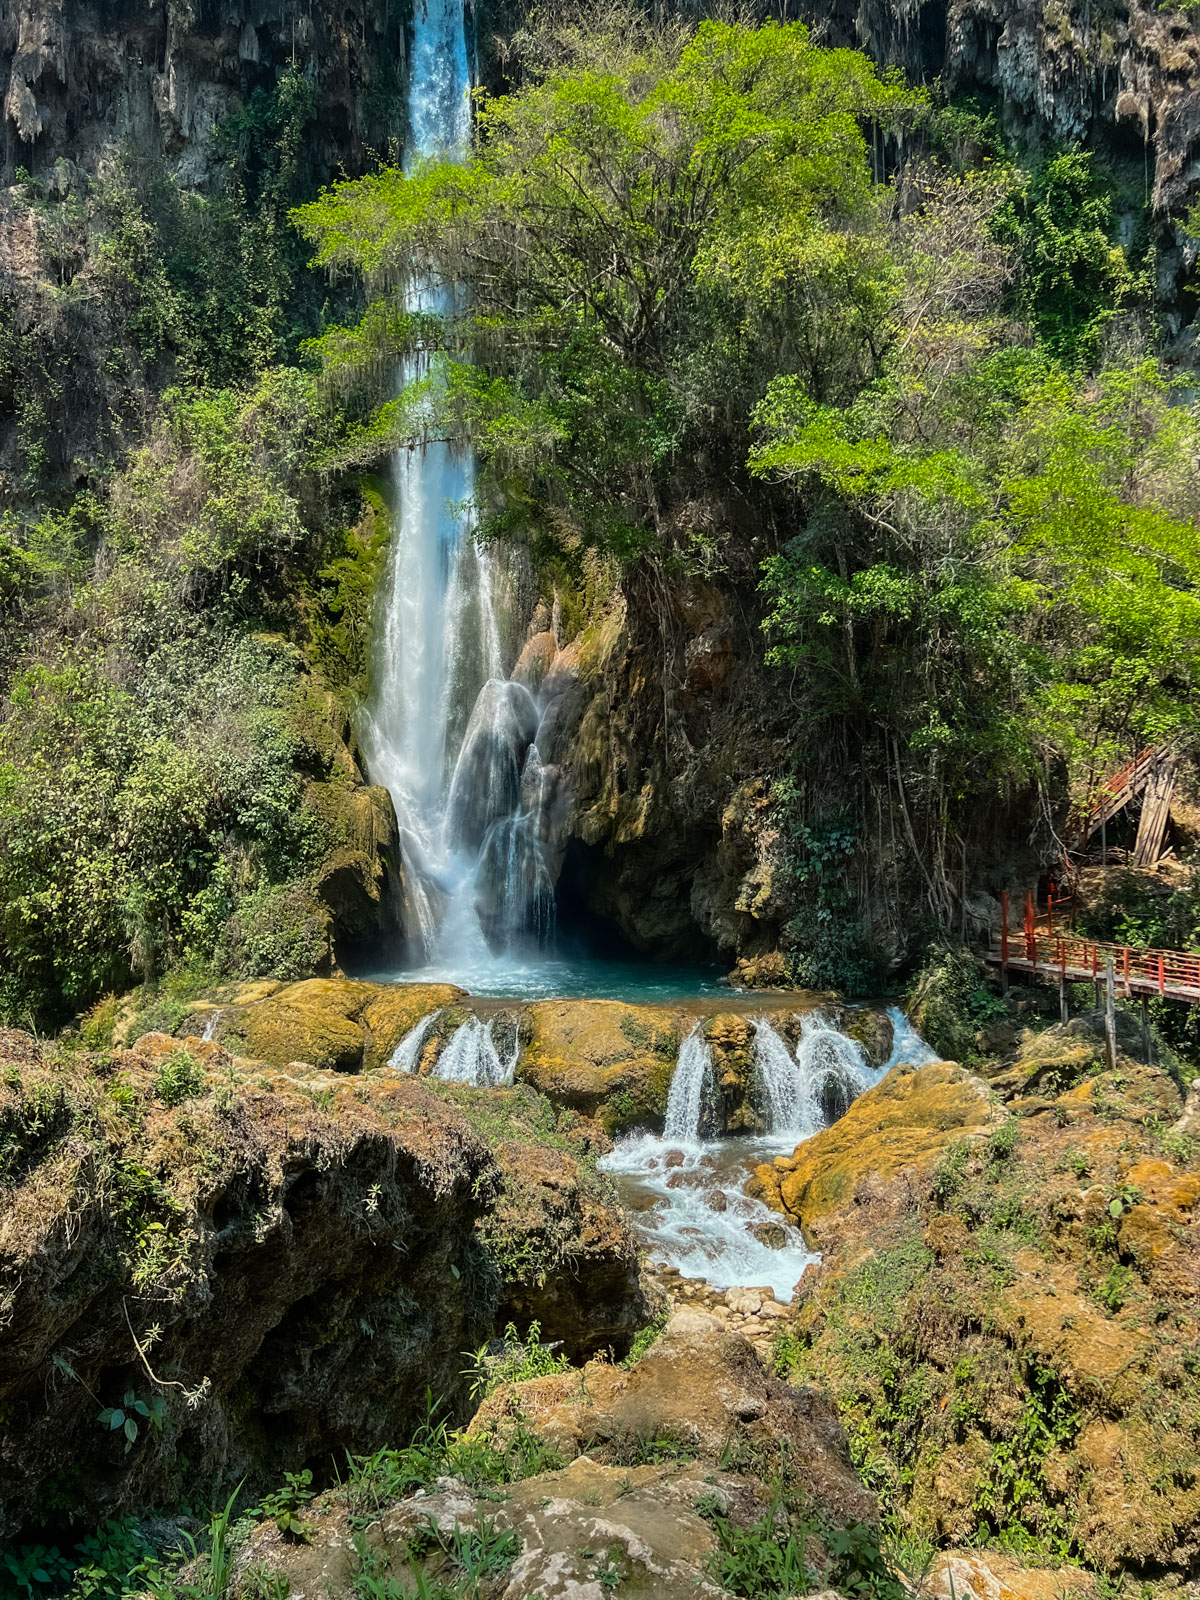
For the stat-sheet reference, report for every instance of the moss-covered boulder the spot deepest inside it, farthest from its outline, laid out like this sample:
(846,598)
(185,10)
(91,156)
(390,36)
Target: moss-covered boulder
(602,1058)
(333,1024)
(1016,1309)
(908,1121)
(276,1269)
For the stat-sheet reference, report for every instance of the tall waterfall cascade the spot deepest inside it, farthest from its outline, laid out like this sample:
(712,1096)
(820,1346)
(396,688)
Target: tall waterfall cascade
(445,731)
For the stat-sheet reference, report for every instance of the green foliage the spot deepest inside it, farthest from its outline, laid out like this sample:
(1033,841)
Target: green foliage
(179,1078)
(377,1481)
(516,1361)
(212,282)
(130,1414)
(1075,277)
(152,806)
(758,1562)
(827,945)
(284,1506)
(949,1000)
(645,1339)
(642,223)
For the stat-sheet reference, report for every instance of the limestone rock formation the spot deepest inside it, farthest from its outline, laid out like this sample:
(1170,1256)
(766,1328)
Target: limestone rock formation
(333,1024)
(1039,1273)
(594,1521)
(904,1124)
(294,1272)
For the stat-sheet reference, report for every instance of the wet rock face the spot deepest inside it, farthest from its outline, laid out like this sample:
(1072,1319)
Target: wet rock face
(310,1269)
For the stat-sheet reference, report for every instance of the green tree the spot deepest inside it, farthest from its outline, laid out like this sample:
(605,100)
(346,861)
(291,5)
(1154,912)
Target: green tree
(641,234)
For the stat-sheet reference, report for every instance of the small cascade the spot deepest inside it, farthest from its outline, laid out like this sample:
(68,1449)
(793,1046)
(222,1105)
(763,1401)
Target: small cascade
(689,1188)
(907,1044)
(407,1054)
(472,1057)
(833,1068)
(782,1097)
(212,1023)
(691,1100)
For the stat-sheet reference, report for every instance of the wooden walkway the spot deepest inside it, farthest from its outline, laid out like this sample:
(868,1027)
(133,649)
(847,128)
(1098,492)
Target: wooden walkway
(1064,958)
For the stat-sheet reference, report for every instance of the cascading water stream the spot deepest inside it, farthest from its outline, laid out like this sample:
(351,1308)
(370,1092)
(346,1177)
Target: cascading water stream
(833,1070)
(444,731)
(407,1053)
(688,1189)
(472,1057)
(689,1100)
(785,1106)
(907,1044)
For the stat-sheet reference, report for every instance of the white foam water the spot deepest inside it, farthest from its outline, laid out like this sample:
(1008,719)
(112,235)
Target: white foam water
(692,1214)
(407,1054)
(833,1069)
(688,1190)
(784,1104)
(692,1093)
(212,1023)
(907,1044)
(472,1057)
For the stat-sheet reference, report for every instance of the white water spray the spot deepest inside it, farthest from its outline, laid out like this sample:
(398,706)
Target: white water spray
(210,1026)
(907,1044)
(472,1057)
(783,1101)
(407,1054)
(693,1212)
(690,1099)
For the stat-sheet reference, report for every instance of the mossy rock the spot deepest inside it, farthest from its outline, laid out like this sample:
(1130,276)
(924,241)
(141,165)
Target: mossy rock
(909,1120)
(334,1024)
(731,1040)
(602,1058)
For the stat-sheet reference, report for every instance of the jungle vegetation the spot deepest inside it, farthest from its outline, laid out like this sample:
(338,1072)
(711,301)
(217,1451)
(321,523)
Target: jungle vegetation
(732,304)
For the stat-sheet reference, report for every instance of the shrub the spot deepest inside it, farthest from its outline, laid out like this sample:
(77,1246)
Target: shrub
(179,1078)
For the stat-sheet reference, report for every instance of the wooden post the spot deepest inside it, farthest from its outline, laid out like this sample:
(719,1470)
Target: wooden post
(1128,991)
(1162,976)
(1030,936)
(1104,842)
(1110,1013)
(1004,941)
(1146,1028)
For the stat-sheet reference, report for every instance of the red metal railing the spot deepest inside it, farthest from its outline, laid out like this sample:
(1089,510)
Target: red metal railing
(1163,969)
(1073,957)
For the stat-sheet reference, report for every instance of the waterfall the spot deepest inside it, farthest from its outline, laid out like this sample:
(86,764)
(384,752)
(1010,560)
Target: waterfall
(780,1085)
(444,730)
(833,1068)
(690,1100)
(407,1054)
(907,1044)
(210,1026)
(472,1057)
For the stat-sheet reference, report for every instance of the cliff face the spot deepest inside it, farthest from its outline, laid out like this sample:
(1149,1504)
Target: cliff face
(1120,77)
(82,80)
